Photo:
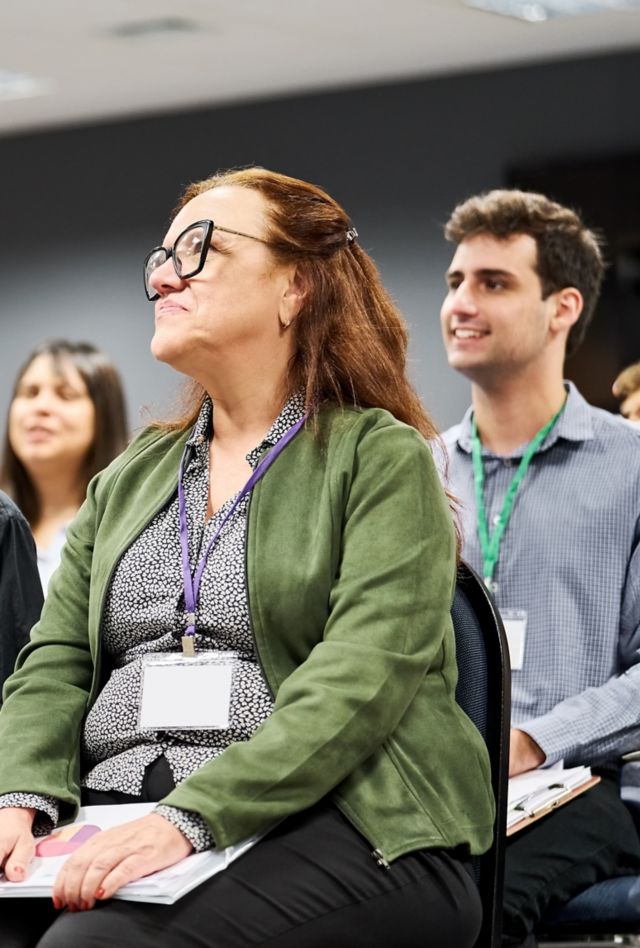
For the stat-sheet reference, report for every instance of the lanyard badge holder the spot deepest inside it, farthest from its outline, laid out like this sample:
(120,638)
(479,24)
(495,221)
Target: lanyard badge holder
(515,620)
(184,693)
(192,583)
(490,545)
(193,690)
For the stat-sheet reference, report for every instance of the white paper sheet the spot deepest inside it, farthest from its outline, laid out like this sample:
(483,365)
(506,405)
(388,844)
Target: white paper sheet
(165,886)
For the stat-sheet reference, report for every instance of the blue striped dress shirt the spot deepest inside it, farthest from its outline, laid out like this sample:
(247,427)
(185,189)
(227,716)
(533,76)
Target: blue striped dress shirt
(570,557)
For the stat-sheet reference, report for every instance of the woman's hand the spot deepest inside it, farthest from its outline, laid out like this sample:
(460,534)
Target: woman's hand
(17,844)
(116,856)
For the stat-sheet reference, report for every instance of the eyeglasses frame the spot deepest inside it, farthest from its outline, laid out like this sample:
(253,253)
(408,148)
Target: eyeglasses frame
(206,246)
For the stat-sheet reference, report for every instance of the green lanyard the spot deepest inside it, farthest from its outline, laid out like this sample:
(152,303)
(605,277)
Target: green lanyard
(490,545)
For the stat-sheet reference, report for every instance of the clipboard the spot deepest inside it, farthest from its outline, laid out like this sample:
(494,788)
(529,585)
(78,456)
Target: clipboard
(546,808)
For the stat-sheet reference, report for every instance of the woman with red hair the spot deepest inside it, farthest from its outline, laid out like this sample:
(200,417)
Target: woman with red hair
(288,537)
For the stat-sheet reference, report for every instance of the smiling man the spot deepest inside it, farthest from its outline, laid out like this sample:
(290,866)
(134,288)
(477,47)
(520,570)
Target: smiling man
(550,492)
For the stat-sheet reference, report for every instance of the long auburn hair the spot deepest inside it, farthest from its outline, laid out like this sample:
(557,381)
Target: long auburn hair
(105,390)
(350,340)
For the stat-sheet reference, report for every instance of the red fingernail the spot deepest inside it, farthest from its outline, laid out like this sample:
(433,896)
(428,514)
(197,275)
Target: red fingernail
(100,893)
(57,904)
(72,907)
(83,905)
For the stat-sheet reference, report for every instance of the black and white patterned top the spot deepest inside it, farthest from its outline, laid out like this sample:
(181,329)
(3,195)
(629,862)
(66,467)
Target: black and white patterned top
(144,613)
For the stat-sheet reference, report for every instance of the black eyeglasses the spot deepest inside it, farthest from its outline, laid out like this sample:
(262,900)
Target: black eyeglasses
(188,253)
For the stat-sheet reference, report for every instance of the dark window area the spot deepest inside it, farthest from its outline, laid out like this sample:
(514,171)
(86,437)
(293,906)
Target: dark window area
(606,191)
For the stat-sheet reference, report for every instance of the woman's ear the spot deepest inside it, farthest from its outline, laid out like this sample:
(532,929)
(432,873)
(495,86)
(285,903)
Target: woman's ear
(293,297)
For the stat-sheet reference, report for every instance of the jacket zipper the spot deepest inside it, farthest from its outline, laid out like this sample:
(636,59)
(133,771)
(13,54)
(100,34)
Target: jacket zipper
(376,853)
(246,592)
(379,858)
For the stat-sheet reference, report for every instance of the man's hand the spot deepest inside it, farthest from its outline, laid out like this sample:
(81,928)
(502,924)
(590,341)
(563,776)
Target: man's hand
(17,844)
(116,856)
(524,753)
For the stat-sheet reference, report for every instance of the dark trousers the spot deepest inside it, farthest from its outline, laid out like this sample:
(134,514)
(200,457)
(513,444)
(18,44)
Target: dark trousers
(312,882)
(589,839)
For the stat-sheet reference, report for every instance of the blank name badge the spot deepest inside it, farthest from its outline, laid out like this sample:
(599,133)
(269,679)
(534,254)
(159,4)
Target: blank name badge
(184,693)
(515,626)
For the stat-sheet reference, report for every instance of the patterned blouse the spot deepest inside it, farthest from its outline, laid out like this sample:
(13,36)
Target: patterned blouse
(144,613)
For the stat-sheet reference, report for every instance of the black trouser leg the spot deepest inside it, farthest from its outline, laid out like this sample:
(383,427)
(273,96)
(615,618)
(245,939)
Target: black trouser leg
(589,839)
(311,883)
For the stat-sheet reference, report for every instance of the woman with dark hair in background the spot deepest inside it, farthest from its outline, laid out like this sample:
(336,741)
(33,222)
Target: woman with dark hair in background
(66,422)
(290,540)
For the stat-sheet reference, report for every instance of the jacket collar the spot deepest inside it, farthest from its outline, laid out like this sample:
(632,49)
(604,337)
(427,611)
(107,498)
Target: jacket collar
(202,431)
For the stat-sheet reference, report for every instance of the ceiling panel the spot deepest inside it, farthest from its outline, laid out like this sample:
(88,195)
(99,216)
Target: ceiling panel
(105,61)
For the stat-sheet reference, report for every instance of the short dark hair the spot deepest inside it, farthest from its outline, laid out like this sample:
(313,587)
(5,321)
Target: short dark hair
(568,253)
(105,391)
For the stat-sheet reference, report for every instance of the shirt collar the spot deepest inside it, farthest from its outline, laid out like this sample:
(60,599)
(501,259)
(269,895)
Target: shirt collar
(203,427)
(575,424)
(292,412)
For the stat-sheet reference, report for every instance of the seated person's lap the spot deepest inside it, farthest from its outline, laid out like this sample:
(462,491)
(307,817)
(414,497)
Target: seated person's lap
(312,882)
(589,839)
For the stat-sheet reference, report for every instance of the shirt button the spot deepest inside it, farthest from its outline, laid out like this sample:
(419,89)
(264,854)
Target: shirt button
(495,520)
(507,462)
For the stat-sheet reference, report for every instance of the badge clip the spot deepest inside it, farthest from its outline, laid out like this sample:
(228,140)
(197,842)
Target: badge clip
(188,646)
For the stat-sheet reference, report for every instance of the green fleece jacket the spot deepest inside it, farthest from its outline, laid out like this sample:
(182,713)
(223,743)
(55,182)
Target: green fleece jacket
(350,575)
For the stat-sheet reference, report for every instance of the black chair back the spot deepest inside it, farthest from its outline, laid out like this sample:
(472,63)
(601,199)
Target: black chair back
(484,693)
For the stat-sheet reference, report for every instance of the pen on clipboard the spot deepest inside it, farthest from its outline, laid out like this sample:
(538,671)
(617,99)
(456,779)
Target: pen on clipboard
(540,797)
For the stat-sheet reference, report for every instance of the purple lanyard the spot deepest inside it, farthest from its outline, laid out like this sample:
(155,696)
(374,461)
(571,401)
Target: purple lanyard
(192,584)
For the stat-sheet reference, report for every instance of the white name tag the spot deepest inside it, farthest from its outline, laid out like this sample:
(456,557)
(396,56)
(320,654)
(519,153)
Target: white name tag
(515,625)
(181,693)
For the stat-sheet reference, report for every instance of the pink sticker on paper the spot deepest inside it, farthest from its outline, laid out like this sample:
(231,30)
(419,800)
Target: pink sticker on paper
(66,839)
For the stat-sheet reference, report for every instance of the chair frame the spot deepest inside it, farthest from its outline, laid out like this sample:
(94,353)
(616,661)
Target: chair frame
(497,730)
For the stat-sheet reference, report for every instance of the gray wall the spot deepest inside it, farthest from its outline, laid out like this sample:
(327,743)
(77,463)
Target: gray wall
(81,207)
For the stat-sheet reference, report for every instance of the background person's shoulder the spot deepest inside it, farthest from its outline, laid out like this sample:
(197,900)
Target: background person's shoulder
(9,510)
